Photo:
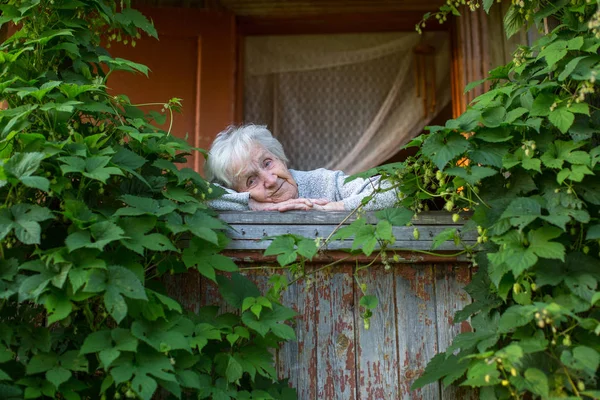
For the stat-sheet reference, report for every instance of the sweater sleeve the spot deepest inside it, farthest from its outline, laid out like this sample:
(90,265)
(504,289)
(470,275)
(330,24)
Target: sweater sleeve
(231,201)
(353,192)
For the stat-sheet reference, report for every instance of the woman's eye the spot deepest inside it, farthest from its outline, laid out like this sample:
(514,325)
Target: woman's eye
(268,162)
(250,182)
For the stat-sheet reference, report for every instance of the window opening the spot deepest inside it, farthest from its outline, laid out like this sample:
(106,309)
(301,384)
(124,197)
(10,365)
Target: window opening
(344,101)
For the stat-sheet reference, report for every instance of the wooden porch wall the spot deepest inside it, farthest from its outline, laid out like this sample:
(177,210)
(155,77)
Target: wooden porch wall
(335,357)
(480,45)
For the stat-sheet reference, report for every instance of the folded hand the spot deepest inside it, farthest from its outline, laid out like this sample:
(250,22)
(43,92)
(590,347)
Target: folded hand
(289,205)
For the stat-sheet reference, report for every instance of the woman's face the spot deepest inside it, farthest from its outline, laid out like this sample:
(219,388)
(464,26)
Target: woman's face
(265,177)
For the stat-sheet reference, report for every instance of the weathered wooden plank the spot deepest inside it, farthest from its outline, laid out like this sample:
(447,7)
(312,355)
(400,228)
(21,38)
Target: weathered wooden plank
(450,295)
(259,232)
(185,288)
(326,218)
(253,257)
(377,348)
(288,356)
(416,335)
(336,368)
(347,244)
(307,335)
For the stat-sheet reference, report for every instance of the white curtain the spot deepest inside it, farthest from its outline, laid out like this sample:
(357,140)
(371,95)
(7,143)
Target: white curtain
(343,102)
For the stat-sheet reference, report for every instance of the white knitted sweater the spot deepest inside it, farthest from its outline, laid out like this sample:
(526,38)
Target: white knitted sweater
(320,184)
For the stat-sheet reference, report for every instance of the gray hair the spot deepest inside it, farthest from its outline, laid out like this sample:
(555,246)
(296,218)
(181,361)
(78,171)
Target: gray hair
(233,145)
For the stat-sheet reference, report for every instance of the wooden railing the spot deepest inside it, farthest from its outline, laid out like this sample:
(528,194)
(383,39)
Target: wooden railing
(335,357)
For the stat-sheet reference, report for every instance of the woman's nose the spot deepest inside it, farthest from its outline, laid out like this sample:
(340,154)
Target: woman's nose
(269,179)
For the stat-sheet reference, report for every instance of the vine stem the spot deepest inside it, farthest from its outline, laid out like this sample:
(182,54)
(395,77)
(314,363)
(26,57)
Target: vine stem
(337,228)
(571,381)
(480,199)
(314,271)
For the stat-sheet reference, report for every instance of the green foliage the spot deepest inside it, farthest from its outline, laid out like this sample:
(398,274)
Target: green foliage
(524,158)
(94,210)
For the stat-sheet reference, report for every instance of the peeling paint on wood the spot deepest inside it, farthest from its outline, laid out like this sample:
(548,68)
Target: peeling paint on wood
(334,304)
(376,348)
(416,330)
(450,297)
(334,357)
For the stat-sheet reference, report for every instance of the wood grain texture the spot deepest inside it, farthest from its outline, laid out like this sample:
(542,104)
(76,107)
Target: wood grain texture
(377,348)
(185,288)
(334,357)
(416,329)
(451,297)
(334,302)
(307,334)
(404,245)
(288,362)
(327,217)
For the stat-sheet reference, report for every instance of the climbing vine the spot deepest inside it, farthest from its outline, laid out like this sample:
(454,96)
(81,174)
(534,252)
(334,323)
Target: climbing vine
(95,211)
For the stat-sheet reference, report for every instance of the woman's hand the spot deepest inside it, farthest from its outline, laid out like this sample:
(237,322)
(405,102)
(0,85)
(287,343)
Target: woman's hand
(333,206)
(289,205)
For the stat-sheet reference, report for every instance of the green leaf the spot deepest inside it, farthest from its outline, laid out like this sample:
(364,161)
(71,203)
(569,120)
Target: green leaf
(532,164)
(96,342)
(284,247)
(115,305)
(540,244)
(512,115)
(439,367)
(58,376)
(307,248)
(570,67)
(126,282)
(108,356)
(593,232)
(58,306)
(202,334)
(36,182)
(24,219)
(442,150)
(562,118)
(493,117)
(234,370)
(482,374)
(383,231)
(443,236)
(369,302)
(100,234)
(395,216)
(125,158)
(144,386)
(236,289)
(160,336)
(537,382)
(145,205)
(513,21)
(487,4)
(95,168)
(542,104)
(120,64)
(473,85)
(271,320)
(131,16)
(515,317)
(494,135)
(205,259)
(21,165)
(472,174)
(41,363)
(582,358)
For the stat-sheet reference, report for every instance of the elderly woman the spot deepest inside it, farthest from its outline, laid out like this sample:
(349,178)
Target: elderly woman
(252,165)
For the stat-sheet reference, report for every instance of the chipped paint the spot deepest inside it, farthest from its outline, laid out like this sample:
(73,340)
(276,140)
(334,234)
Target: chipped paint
(334,357)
